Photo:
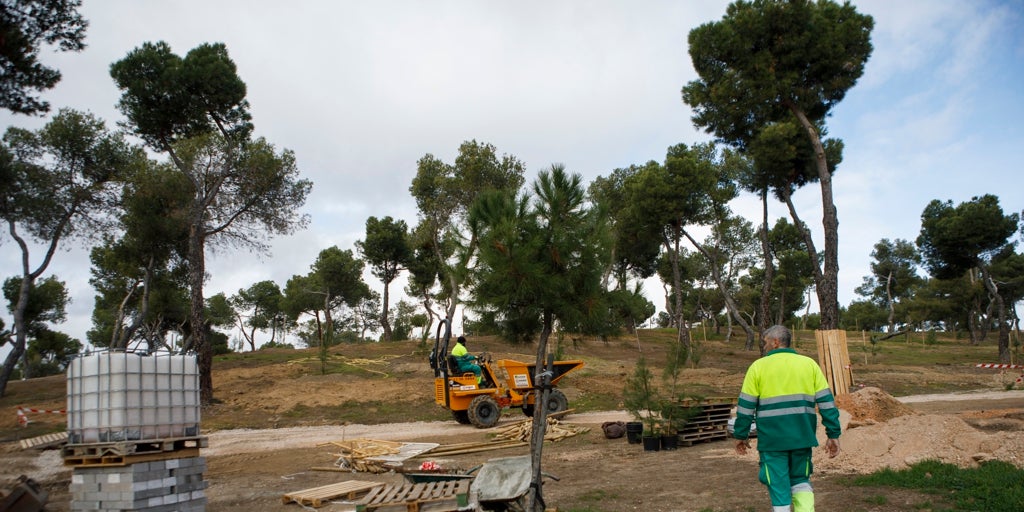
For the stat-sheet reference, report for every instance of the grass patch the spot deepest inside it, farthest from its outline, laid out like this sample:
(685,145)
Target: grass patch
(994,486)
(597,495)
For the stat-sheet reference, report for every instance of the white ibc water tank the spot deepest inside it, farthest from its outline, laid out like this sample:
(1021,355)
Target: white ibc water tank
(119,396)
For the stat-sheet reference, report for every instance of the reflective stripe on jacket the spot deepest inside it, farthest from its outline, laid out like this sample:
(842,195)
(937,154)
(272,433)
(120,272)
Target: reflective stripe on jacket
(781,390)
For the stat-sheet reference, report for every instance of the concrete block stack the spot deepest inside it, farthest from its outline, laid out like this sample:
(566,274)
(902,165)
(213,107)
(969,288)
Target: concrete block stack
(155,486)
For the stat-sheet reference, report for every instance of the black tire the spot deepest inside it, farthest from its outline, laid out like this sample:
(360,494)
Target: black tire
(461,416)
(557,402)
(484,412)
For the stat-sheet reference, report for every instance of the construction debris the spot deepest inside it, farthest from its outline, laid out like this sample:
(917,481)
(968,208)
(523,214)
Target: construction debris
(374,456)
(25,496)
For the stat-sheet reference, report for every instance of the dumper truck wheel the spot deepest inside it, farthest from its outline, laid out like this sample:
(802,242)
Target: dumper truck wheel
(461,416)
(484,412)
(557,402)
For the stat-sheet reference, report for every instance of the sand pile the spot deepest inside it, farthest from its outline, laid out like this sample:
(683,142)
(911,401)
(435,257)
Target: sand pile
(871,405)
(880,432)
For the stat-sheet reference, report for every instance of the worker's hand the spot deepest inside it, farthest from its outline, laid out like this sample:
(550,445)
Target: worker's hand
(832,447)
(742,445)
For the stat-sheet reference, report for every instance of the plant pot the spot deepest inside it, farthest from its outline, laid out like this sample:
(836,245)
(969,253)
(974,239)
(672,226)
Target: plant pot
(634,429)
(651,443)
(669,442)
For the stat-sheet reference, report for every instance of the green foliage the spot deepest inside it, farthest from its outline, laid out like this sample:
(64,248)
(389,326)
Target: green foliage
(219,343)
(167,98)
(276,344)
(770,73)
(261,306)
(50,352)
(25,26)
(763,55)
(540,259)
(640,397)
(445,242)
(387,250)
(955,239)
(893,275)
(993,486)
(862,315)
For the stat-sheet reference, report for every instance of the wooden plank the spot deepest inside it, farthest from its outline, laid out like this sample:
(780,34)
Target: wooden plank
(824,359)
(44,441)
(316,496)
(837,342)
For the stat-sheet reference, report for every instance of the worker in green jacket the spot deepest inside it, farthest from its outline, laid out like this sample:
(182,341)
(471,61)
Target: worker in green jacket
(467,361)
(781,390)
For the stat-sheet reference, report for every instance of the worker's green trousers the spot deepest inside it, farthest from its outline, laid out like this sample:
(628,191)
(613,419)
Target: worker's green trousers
(788,475)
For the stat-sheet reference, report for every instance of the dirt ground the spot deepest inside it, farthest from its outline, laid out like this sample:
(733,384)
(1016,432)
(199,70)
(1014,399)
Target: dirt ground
(249,469)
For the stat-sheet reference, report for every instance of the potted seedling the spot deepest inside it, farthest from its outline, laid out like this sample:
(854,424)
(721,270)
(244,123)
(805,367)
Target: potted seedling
(641,401)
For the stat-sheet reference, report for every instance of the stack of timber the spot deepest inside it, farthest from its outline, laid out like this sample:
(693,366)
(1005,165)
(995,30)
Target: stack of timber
(356,454)
(708,419)
(555,431)
(834,359)
(472,447)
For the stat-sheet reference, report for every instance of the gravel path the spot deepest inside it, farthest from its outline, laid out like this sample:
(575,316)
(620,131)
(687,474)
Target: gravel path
(227,442)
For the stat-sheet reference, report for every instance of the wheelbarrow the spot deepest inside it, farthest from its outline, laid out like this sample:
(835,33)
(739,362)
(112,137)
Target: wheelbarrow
(501,484)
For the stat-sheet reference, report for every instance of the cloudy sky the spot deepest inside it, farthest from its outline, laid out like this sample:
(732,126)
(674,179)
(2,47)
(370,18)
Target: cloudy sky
(361,90)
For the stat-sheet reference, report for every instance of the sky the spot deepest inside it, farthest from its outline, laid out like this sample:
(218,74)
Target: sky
(360,91)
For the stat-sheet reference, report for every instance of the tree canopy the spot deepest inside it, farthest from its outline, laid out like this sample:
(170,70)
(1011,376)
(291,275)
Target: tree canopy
(954,240)
(768,62)
(242,191)
(25,26)
(59,183)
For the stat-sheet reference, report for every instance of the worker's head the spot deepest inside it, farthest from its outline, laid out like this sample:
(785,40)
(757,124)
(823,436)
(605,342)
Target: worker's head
(776,336)
(461,340)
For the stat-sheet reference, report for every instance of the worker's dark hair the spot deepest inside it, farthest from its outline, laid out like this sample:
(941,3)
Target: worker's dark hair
(778,332)
(461,339)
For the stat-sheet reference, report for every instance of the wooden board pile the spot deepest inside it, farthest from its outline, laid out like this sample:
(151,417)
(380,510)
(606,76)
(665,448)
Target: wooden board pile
(834,359)
(356,454)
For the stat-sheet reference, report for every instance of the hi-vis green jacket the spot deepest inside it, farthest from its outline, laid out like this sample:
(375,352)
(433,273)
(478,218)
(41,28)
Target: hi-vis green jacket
(781,389)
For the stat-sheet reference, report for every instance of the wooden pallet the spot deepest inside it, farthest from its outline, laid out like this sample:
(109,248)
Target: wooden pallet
(423,497)
(689,439)
(316,496)
(44,441)
(123,453)
(125,460)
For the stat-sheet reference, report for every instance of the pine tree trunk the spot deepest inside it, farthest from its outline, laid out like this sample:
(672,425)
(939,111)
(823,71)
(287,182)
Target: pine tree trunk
(827,281)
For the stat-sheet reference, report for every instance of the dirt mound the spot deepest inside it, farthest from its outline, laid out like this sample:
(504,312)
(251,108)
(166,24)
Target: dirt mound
(871,405)
(881,432)
(909,439)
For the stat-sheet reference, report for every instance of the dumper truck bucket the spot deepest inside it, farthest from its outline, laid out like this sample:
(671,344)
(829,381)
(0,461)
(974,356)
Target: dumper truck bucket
(520,375)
